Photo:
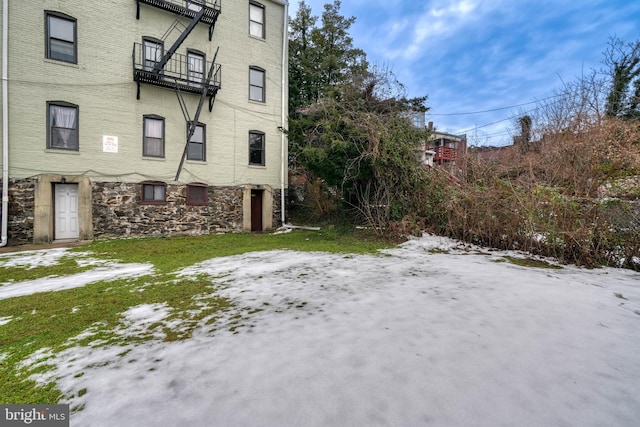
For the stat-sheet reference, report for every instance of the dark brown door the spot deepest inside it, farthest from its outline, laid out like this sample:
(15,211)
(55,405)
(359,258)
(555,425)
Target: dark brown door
(256,210)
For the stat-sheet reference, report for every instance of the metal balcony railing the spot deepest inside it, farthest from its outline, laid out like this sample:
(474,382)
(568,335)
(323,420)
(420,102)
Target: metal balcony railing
(187,8)
(177,73)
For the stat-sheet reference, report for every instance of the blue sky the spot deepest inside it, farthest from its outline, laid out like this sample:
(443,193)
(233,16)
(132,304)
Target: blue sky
(476,55)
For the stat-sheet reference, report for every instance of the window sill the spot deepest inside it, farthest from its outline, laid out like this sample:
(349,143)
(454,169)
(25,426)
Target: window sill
(196,162)
(62,151)
(257,166)
(263,103)
(262,39)
(154,159)
(63,63)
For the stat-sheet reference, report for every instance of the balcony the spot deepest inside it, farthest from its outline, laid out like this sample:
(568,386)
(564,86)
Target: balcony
(176,74)
(187,8)
(445,154)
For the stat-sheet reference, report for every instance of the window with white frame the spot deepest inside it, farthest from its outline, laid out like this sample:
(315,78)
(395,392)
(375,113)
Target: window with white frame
(256,84)
(153,136)
(61,37)
(256,148)
(256,19)
(197,148)
(62,125)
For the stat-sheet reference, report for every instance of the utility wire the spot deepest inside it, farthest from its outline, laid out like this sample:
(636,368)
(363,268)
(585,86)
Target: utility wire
(495,109)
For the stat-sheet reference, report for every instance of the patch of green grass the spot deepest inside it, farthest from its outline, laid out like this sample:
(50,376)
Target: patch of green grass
(172,253)
(53,320)
(67,265)
(531,262)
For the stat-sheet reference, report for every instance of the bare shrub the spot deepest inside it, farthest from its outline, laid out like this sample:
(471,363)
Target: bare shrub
(545,201)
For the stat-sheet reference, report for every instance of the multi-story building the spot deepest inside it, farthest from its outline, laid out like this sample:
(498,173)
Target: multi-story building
(448,149)
(142,117)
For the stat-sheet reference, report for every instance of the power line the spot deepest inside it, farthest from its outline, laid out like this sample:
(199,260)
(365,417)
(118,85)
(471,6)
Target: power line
(495,109)
(511,117)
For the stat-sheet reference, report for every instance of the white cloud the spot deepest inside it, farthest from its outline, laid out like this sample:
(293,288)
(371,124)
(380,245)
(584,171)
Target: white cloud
(436,23)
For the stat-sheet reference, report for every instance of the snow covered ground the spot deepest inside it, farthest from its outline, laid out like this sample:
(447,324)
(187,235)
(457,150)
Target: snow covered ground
(407,337)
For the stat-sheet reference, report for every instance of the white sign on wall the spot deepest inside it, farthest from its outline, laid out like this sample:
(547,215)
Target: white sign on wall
(109,144)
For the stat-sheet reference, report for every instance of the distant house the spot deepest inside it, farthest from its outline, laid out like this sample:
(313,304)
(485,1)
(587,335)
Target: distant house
(448,149)
(143,117)
(440,148)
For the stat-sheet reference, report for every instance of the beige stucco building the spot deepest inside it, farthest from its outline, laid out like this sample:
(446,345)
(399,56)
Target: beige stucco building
(137,117)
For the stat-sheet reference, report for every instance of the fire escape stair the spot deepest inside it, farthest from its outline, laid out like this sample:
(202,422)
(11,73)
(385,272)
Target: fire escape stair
(169,71)
(187,8)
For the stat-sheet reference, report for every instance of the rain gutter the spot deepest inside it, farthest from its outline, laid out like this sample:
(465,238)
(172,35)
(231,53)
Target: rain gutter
(5,123)
(284,102)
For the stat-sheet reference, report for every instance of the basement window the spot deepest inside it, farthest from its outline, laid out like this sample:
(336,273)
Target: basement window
(154,193)
(197,194)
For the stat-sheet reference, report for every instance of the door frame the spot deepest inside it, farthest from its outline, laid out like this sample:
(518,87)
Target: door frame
(44,207)
(267,206)
(257,202)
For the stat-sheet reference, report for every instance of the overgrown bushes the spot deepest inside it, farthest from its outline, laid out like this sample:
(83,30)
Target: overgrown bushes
(545,199)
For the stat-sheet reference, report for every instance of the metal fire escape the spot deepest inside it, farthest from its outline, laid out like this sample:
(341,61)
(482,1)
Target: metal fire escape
(151,65)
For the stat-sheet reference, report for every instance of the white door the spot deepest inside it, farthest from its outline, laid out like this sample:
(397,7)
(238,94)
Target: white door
(66,206)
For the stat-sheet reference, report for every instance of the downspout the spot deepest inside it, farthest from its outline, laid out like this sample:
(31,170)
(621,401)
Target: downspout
(5,123)
(283,127)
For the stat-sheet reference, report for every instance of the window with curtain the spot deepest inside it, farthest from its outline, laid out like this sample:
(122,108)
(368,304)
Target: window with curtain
(154,192)
(62,124)
(153,137)
(256,148)
(256,84)
(61,37)
(196,149)
(256,19)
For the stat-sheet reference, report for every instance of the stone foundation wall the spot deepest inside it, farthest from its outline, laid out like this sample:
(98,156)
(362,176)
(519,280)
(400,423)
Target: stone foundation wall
(277,220)
(118,211)
(21,210)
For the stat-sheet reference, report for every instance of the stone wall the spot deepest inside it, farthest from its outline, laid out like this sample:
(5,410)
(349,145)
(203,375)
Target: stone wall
(277,220)
(21,210)
(118,211)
